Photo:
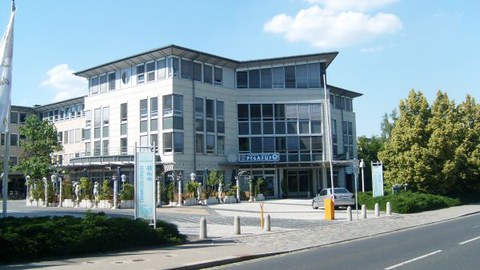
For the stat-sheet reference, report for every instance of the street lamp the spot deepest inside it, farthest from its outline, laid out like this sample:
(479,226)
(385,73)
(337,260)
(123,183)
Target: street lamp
(362,166)
(179,179)
(237,179)
(250,184)
(115,191)
(355,171)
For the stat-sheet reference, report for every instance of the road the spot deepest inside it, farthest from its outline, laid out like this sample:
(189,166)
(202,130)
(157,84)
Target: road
(449,245)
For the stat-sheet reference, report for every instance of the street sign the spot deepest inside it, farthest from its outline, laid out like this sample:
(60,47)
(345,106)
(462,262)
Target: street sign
(377,179)
(145,184)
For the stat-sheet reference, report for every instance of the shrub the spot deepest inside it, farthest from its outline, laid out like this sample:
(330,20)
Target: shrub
(128,192)
(106,192)
(67,189)
(30,239)
(408,202)
(86,188)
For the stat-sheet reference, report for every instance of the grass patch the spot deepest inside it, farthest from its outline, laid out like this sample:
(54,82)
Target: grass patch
(408,202)
(31,239)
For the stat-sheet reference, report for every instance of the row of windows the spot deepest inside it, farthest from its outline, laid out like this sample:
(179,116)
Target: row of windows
(293,76)
(70,136)
(18,117)
(341,102)
(279,111)
(69,112)
(14,139)
(159,70)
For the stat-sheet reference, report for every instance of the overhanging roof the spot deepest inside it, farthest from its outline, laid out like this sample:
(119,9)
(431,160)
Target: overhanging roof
(200,56)
(343,92)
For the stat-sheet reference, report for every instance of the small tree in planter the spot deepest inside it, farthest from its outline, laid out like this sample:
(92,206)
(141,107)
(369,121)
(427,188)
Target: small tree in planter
(39,192)
(211,182)
(106,194)
(192,188)
(127,195)
(170,190)
(231,193)
(86,192)
(67,193)
(260,189)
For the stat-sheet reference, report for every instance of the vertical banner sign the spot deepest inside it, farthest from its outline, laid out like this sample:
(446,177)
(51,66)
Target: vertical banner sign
(145,185)
(377,179)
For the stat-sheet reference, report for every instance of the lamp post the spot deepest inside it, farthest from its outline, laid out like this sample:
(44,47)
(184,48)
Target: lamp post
(159,192)
(179,179)
(60,197)
(362,167)
(250,184)
(45,186)
(115,191)
(355,171)
(193,178)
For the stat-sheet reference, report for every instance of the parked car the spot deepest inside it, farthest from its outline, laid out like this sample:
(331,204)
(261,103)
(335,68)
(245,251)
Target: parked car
(342,197)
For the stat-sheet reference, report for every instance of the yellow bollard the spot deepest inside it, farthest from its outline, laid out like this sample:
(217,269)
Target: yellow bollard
(329,209)
(261,216)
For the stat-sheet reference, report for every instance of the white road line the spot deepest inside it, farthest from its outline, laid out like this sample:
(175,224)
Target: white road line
(412,260)
(473,239)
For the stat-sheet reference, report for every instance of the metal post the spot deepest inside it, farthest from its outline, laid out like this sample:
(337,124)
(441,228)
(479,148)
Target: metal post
(27,184)
(60,192)
(237,182)
(355,171)
(45,187)
(362,167)
(179,179)
(159,192)
(115,191)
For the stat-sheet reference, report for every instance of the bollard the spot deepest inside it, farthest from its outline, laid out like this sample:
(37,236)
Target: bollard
(236,225)
(203,229)
(267,223)
(389,209)
(364,211)
(261,216)
(349,213)
(377,210)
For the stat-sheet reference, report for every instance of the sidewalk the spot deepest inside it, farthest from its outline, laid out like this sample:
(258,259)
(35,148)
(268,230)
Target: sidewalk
(221,250)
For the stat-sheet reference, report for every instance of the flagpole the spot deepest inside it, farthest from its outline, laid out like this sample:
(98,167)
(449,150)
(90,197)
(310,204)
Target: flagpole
(328,135)
(6,158)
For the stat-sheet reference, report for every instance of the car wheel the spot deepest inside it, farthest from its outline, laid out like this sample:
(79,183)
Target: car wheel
(313,206)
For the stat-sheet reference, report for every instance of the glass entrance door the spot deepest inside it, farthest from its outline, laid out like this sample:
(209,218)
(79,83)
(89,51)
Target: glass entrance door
(298,183)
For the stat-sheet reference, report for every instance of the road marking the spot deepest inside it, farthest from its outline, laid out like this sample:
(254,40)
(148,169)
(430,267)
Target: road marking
(412,260)
(473,239)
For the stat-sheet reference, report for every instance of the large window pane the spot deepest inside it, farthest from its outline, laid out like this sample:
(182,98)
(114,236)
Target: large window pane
(162,69)
(123,112)
(314,75)
(266,78)
(167,142)
(244,144)
(254,78)
(268,145)
(143,108)
(256,145)
(197,71)
(218,76)
(255,111)
(242,111)
(186,69)
(178,142)
(290,77)
(207,74)
(199,143)
(278,77)
(242,79)
(301,75)
(210,108)
(210,144)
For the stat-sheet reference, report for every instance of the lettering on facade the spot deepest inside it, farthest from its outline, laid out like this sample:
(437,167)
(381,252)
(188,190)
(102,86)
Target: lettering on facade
(259,157)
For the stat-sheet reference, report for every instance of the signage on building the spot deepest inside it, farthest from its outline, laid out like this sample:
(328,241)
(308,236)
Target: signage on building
(259,157)
(145,185)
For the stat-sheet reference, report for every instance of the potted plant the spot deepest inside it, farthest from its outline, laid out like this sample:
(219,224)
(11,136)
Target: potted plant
(192,188)
(38,192)
(67,193)
(212,181)
(231,193)
(260,188)
(86,193)
(127,195)
(106,194)
(170,189)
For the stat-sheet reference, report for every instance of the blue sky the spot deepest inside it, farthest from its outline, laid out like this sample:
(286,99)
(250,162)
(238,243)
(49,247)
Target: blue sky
(386,47)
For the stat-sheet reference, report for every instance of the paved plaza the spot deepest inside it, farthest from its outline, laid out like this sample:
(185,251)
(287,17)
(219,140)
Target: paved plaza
(295,226)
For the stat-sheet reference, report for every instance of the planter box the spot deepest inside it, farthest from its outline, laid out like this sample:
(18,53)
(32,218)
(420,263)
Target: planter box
(210,201)
(106,204)
(190,201)
(126,204)
(86,204)
(260,197)
(229,199)
(69,203)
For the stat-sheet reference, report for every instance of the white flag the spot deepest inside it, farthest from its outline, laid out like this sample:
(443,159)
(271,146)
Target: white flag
(6,54)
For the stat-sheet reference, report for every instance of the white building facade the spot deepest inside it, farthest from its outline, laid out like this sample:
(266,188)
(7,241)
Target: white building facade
(205,112)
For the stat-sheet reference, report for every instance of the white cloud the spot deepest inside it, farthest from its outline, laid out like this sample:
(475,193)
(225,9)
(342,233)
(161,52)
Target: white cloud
(332,27)
(61,79)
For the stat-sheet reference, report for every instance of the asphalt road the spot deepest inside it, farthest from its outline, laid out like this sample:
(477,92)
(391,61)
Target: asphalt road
(449,245)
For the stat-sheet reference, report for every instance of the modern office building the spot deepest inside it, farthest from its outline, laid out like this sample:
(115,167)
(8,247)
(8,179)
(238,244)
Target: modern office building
(205,112)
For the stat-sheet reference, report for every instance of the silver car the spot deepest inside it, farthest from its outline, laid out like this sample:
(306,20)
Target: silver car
(342,197)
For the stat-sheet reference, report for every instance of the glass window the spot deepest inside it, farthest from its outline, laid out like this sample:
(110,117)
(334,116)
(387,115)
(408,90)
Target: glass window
(14,139)
(141,73)
(105,132)
(292,127)
(210,144)
(154,107)
(105,147)
(244,144)
(178,142)
(199,125)
(172,67)
(256,145)
(266,78)
(14,117)
(268,127)
(144,126)
(268,144)
(220,145)
(2,139)
(267,111)
(292,143)
(144,140)
(154,140)
(314,75)
(187,66)
(207,74)
(280,127)
(218,76)
(96,148)
(86,135)
(88,149)
(290,77)
(23,118)
(167,105)
(278,77)
(123,112)
(210,125)
(210,108)
(199,143)
(143,108)
(94,85)
(243,128)
(199,107)
(162,69)
(112,77)
(97,117)
(316,126)
(123,129)
(316,143)
(96,133)
(255,111)
(219,110)
(301,76)
(242,79)
(151,71)
(154,124)
(256,128)
(123,146)
(106,115)
(242,111)
(279,111)
(178,104)
(254,78)
(304,143)
(197,71)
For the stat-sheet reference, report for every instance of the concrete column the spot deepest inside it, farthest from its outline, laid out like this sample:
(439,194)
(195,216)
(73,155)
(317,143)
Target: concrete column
(115,192)
(389,209)
(159,193)
(267,223)
(203,229)
(236,225)
(179,192)
(27,184)
(250,183)
(349,213)
(237,178)
(60,197)
(377,210)
(364,211)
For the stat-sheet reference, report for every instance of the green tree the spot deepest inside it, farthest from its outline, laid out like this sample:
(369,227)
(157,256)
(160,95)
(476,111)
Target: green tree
(41,141)
(212,181)
(405,151)
(368,149)
(387,124)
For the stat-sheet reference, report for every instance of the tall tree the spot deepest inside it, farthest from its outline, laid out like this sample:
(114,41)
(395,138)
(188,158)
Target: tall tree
(387,124)
(368,149)
(40,142)
(405,151)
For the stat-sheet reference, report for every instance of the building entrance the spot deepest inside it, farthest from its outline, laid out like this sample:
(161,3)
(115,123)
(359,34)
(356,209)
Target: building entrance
(298,183)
